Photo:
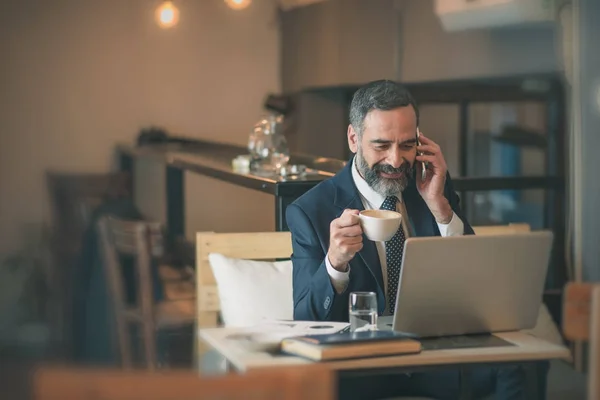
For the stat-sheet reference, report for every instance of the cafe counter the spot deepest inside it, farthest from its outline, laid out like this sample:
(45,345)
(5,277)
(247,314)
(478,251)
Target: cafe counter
(215,160)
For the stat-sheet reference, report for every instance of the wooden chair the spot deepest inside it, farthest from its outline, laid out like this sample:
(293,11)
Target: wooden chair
(144,242)
(581,322)
(251,246)
(73,198)
(502,229)
(293,383)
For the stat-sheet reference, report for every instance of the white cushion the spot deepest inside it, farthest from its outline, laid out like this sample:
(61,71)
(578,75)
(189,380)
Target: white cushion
(251,291)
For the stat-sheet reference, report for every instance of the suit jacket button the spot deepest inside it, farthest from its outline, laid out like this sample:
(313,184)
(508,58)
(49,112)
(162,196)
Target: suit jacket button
(327,302)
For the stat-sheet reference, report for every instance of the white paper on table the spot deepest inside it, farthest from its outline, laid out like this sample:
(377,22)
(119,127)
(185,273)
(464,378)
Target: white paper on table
(268,334)
(301,327)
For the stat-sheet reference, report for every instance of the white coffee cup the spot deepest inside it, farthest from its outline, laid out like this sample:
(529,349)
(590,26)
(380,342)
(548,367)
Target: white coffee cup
(380,225)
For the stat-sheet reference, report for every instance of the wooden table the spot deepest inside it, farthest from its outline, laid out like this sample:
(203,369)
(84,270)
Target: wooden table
(526,349)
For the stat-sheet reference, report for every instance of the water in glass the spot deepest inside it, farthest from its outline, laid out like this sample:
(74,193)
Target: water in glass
(363,320)
(363,311)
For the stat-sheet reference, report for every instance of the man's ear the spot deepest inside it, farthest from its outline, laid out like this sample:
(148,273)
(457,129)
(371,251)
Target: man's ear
(352,139)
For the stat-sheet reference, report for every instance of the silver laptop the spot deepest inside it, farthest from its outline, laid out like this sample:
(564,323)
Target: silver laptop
(470,284)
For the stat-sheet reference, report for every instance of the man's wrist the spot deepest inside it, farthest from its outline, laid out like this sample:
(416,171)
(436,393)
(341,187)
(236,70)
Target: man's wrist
(337,266)
(441,210)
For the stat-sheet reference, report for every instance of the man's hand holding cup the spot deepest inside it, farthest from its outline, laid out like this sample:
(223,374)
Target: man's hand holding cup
(345,239)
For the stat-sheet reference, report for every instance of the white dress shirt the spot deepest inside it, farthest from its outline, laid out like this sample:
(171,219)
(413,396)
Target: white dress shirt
(373,200)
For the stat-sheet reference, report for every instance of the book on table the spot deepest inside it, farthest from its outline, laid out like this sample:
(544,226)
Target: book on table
(347,345)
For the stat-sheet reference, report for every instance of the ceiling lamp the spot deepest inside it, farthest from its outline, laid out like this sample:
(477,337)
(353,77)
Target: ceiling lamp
(238,4)
(167,15)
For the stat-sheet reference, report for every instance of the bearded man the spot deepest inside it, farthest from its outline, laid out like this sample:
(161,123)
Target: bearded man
(332,257)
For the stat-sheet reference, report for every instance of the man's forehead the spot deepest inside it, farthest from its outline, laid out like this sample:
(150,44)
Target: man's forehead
(390,132)
(403,117)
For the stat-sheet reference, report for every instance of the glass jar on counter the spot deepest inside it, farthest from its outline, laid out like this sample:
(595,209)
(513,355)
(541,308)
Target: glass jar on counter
(268,146)
(255,141)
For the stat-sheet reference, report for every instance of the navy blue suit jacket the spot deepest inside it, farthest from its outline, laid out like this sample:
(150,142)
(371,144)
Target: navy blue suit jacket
(309,218)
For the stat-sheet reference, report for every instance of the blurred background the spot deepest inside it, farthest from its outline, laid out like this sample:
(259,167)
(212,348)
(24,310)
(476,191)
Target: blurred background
(90,90)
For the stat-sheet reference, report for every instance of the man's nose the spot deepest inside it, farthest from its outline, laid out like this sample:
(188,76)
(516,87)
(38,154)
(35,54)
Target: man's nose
(395,158)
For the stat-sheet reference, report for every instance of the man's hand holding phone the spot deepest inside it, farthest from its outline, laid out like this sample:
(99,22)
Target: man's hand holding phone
(431,183)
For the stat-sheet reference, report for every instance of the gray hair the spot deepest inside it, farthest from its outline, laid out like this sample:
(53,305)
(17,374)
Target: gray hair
(382,95)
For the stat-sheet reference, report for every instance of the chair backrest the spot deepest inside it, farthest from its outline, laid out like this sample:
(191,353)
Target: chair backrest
(581,322)
(290,383)
(502,229)
(141,241)
(250,246)
(74,196)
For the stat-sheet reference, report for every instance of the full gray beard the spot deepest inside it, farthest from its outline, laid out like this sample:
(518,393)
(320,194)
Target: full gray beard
(384,186)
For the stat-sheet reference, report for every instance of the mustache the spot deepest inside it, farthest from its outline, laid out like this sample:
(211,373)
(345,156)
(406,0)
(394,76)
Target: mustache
(405,168)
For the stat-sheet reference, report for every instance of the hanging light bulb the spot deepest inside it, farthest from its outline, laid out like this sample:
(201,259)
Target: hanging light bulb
(167,15)
(238,4)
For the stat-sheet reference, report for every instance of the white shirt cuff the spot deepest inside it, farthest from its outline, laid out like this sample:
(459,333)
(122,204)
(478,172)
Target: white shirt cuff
(338,279)
(453,228)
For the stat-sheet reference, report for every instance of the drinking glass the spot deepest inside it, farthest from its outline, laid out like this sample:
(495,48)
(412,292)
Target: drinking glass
(363,311)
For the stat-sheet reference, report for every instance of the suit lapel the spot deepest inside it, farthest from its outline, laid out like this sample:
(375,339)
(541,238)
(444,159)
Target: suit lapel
(347,197)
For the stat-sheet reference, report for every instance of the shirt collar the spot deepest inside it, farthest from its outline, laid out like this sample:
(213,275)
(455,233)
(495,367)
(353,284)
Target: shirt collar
(372,197)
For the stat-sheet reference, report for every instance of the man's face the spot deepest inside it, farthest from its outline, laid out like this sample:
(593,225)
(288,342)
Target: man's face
(386,152)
